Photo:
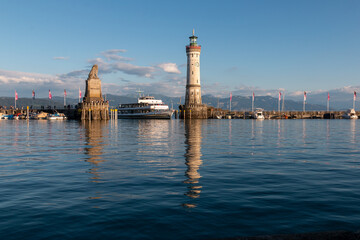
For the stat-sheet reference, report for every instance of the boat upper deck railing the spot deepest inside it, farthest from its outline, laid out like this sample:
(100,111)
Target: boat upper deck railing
(147,97)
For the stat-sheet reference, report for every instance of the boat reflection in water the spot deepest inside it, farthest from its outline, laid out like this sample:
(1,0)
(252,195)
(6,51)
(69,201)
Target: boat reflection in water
(94,146)
(193,160)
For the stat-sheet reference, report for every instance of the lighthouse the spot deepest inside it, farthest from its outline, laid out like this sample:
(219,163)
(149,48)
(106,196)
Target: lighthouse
(193,107)
(193,88)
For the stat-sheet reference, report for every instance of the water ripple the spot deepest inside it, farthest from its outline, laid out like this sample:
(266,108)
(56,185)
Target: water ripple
(141,179)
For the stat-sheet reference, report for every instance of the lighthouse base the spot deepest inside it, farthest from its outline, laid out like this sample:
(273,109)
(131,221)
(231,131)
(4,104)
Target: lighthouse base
(195,111)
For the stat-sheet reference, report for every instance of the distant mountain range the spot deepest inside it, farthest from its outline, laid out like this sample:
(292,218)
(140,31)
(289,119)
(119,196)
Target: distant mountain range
(239,103)
(339,99)
(268,103)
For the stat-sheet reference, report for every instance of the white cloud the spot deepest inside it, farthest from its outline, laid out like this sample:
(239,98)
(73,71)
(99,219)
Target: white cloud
(113,55)
(170,85)
(173,87)
(298,93)
(120,66)
(166,79)
(169,67)
(349,89)
(133,69)
(74,74)
(11,77)
(114,51)
(110,62)
(60,58)
(25,82)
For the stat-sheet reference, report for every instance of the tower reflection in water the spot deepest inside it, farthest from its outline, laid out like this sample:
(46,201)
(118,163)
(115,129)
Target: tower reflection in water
(193,160)
(94,132)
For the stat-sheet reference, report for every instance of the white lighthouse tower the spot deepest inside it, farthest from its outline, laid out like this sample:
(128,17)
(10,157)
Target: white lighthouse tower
(193,88)
(193,107)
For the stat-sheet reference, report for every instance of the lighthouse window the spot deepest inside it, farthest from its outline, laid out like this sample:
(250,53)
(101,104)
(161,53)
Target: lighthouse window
(192,72)
(192,55)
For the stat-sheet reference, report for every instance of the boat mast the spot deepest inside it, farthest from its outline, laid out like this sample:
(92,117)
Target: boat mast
(139,92)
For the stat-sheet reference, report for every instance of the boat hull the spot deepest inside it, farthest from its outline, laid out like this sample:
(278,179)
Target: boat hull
(350,117)
(259,117)
(167,115)
(56,118)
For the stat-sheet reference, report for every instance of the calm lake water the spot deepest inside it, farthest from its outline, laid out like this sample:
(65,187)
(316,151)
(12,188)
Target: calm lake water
(159,179)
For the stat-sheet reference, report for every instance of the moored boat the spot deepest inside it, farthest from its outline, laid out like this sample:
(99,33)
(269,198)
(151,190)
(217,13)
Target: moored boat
(8,116)
(56,116)
(258,114)
(147,107)
(350,114)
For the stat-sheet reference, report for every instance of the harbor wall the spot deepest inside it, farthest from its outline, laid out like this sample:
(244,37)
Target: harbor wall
(215,112)
(101,112)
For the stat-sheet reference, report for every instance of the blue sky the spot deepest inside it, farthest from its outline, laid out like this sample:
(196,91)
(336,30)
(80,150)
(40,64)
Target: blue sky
(247,46)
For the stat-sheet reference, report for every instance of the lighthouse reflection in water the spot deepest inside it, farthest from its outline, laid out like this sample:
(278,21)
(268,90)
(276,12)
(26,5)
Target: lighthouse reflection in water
(193,159)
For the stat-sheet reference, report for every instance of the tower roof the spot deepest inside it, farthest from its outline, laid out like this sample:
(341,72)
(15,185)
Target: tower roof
(193,34)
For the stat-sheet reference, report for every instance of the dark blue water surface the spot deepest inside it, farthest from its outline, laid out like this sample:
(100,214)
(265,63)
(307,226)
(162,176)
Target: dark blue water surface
(159,179)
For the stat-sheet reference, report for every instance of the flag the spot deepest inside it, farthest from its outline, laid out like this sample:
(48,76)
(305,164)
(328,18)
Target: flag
(253,98)
(279,96)
(230,96)
(16,96)
(50,96)
(79,93)
(304,96)
(65,93)
(33,94)
(354,96)
(328,96)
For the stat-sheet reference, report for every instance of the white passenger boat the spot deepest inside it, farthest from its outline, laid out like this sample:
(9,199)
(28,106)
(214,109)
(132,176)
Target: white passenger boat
(258,114)
(146,107)
(56,116)
(350,114)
